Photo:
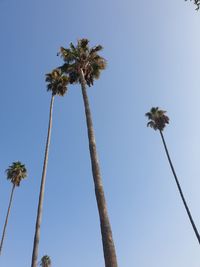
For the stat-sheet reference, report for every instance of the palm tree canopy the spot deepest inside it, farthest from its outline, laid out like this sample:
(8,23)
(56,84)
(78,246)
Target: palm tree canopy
(45,261)
(16,172)
(197,3)
(82,57)
(157,118)
(57,82)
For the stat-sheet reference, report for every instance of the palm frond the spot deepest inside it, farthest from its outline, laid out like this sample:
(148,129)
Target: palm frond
(96,49)
(83,44)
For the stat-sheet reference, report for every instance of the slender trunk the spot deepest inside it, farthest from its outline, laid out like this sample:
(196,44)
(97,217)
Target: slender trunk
(180,190)
(106,232)
(42,188)
(6,221)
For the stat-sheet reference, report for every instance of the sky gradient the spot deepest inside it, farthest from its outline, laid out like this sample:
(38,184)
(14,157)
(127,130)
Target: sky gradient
(152,49)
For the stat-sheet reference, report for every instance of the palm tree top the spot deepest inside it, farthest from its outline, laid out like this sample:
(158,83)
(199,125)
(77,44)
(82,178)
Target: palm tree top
(45,261)
(16,172)
(197,3)
(82,57)
(157,118)
(57,82)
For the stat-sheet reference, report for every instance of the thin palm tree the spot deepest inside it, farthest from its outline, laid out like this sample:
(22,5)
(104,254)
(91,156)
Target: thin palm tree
(157,121)
(83,65)
(45,261)
(197,3)
(57,85)
(15,173)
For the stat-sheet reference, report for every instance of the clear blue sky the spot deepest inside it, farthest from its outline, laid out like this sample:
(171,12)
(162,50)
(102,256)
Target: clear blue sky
(152,48)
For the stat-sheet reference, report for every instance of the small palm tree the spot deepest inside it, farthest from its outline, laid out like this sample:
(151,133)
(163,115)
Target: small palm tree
(45,261)
(15,173)
(57,85)
(83,65)
(197,3)
(157,121)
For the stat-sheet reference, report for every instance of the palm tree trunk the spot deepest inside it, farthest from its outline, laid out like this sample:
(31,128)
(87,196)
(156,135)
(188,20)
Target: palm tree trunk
(180,190)
(106,232)
(6,221)
(42,188)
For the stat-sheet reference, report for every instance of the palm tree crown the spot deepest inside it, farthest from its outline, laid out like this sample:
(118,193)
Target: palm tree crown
(57,82)
(197,3)
(45,261)
(82,57)
(157,119)
(16,172)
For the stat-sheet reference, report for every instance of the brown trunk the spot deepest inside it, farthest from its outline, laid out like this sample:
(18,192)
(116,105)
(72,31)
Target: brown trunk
(180,190)
(6,221)
(106,232)
(42,188)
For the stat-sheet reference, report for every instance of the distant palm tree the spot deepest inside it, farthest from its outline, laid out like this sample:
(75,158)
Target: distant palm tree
(157,121)
(57,84)
(45,261)
(197,3)
(15,173)
(83,65)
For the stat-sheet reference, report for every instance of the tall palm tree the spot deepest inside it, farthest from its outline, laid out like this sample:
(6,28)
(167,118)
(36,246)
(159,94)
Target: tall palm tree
(15,173)
(57,85)
(83,65)
(45,261)
(197,3)
(157,121)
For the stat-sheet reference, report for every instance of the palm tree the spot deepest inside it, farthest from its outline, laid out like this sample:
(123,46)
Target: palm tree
(197,3)
(45,261)
(57,84)
(83,65)
(15,173)
(157,121)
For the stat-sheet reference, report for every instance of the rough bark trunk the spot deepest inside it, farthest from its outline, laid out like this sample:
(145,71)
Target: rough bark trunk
(106,232)
(6,221)
(180,190)
(42,189)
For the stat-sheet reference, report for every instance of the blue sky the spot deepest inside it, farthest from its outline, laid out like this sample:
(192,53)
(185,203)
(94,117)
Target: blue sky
(152,49)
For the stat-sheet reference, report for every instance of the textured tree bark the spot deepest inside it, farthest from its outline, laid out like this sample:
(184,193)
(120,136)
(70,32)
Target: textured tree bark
(42,189)
(6,221)
(180,190)
(106,232)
